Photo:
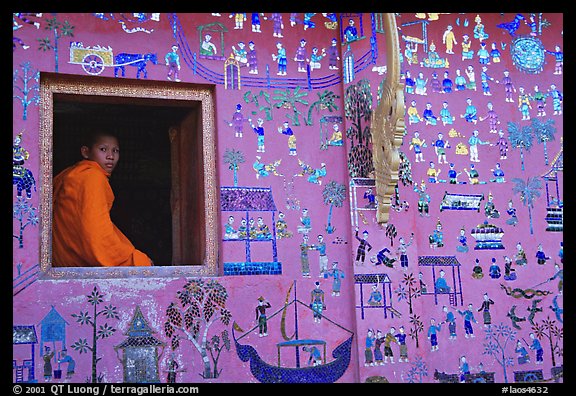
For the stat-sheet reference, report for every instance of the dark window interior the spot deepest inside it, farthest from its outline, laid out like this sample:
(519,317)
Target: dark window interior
(143,181)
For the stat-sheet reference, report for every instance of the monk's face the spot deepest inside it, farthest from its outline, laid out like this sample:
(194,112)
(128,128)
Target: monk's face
(105,152)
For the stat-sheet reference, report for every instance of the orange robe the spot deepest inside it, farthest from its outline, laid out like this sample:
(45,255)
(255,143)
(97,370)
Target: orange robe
(83,234)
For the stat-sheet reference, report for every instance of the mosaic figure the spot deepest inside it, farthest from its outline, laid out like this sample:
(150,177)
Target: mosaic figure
(238,121)
(282,227)
(333,55)
(280,58)
(557,99)
(509,87)
(337,275)
(559,58)
(449,39)
(520,256)
(413,116)
(523,356)
(436,239)
(524,105)
(172,60)
(207,47)
(509,272)
(445,115)
(277,24)
(432,334)
(286,130)
(494,270)
(459,81)
(451,320)
(375,298)
(401,337)
(473,143)
(417,144)
(317,302)
(304,261)
(301,57)
(490,208)
(423,199)
(229,230)
(537,348)
(363,247)
(468,316)
(485,309)
(463,241)
(492,117)
(261,318)
(471,113)
(369,344)
(541,257)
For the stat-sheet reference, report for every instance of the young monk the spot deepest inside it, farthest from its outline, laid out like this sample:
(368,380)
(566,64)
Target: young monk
(83,234)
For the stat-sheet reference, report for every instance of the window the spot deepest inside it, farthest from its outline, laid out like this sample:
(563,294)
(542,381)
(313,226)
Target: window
(165,183)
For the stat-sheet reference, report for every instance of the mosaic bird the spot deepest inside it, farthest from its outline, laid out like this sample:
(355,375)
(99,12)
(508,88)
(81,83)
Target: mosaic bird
(514,318)
(557,310)
(533,309)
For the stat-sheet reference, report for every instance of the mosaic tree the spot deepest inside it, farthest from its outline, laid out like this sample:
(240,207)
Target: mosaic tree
(254,98)
(29,87)
(200,304)
(326,100)
(498,337)
(408,290)
(98,332)
(549,330)
(520,137)
(417,371)
(334,194)
(290,100)
(26,215)
(233,158)
(358,109)
(529,190)
(544,132)
(60,30)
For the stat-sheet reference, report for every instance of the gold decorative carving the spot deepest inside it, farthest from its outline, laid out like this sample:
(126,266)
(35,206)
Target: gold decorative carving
(54,84)
(387,126)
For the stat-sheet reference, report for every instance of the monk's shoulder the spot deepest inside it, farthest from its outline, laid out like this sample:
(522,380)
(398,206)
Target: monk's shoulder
(86,175)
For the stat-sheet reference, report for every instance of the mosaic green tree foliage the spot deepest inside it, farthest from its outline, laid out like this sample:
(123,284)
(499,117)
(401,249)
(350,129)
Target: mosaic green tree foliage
(544,132)
(520,137)
(326,100)
(358,109)
(200,304)
(529,190)
(290,100)
(255,98)
(60,30)
(98,332)
(233,158)
(334,194)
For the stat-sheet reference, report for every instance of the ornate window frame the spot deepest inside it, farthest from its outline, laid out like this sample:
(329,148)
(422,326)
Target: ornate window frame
(51,84)
(387,126)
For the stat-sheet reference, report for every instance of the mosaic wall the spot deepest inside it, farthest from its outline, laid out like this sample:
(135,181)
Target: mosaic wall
(464,284)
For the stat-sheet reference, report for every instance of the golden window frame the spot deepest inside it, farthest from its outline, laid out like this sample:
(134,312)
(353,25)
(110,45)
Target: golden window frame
(52,84)
(387,124)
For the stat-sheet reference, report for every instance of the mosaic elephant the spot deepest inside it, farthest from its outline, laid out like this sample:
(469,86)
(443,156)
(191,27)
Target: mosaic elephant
(24,180)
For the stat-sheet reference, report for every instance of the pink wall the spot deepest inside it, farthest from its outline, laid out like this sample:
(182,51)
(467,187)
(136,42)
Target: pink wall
(34,300)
